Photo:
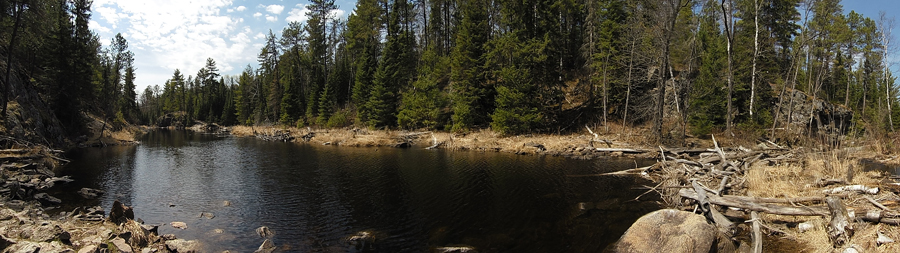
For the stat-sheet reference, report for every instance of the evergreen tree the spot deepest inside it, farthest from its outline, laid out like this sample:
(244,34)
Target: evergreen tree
(471,95)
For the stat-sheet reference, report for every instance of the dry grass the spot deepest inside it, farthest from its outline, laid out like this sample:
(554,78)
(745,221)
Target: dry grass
(799,180)
(482,140)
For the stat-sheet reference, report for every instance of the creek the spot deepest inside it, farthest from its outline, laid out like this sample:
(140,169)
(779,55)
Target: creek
(314,197)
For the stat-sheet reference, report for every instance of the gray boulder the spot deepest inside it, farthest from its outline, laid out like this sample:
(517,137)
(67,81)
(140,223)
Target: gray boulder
(670,230)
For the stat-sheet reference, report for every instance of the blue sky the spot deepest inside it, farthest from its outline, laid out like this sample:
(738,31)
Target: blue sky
(180,34)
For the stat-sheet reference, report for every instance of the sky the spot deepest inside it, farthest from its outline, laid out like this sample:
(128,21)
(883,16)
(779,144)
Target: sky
(181,34)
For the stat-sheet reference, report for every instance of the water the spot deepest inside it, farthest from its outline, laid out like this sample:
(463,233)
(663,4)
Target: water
(313,197)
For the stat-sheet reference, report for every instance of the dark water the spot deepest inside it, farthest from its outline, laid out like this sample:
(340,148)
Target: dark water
(313,196)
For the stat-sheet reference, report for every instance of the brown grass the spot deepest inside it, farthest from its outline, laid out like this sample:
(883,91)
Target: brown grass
(798,180)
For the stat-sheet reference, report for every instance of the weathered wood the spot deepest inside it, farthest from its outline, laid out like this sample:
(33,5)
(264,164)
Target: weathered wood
(756,236)
(623,150)
(711,213)
(821,182)
(635,171)
(852,188)
(731,201)
(879,205)
(839,229)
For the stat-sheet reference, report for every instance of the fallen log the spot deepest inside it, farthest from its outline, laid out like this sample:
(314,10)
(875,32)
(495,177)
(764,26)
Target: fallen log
(852,188)
(635,171)
(623,150)
(756,236)
(732,201)
(839,229)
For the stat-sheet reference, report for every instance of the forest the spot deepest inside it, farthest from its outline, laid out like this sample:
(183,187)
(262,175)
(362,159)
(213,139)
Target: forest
(515,67)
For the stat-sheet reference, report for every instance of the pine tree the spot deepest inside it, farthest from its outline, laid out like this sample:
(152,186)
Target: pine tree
(472,98)
(396,69)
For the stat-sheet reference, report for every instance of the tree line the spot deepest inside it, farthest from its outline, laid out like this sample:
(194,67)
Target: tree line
(49,47)
(512,66)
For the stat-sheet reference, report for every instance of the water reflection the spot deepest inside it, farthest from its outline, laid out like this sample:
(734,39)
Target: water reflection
(314,196)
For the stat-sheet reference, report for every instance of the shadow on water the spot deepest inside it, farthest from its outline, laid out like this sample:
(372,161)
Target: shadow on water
(315,197)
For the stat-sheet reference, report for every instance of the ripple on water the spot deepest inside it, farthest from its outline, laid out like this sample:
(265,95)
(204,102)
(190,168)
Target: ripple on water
(317,197)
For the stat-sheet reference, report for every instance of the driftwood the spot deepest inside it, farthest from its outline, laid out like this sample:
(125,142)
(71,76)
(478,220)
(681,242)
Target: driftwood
(733,201)
(623,150)
(852,188)
(597,138)
(635,171)
(839,229)
(756,236)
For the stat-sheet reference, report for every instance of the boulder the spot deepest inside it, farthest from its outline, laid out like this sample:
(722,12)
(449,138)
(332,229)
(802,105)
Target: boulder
(120,213)
(669,230)
(183,246)
(88,249)
(45,198)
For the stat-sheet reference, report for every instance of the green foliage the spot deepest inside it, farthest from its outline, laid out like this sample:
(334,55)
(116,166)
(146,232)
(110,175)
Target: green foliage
(516,111)
(340,118)
(423,105)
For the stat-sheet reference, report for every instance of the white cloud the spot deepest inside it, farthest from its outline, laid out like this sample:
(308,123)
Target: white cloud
(298,14)
(336,14)
(256,15)
(97,27)
(275,9)
(175,34)
(271,18)
(259,36)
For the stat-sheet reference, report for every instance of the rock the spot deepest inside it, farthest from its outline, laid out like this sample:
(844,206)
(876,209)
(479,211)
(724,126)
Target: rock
(5,242)
(805,226)
(47,199)
(882,239)
(218,231)
(362,241)
(226,203)
(154,229)
(121,245)
(183,246)
(179,225)
(89,193)
(168,237)
(264,232)
(47,233)
(266,247)
(88,249)
(672,230)
(120,213)
(207,215)
(455,249)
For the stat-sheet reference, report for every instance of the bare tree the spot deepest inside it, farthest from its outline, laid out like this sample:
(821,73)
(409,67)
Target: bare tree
(729,35)
(886,26)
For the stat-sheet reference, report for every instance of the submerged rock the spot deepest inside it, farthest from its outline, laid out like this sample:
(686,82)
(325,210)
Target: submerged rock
(264,232)
(179,225)
(89,193)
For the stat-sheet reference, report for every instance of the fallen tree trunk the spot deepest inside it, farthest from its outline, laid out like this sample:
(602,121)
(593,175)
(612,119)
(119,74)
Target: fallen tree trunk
(732,201)
(839,229)
(623,150)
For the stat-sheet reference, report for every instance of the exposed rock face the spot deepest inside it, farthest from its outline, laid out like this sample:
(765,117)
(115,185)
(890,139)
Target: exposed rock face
(266,247)
(175,120)
(818,114)
(670,231)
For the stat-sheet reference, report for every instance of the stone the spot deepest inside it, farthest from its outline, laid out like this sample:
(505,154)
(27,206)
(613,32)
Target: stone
(669,229)
(183,246)
(455,249)
(207,215)
(121,245)
(264,232)
(153,229)
(47,199)
(226,203)
(120,213)
(89,193)
(169,237)
(179,225)
(266,247)
(88,249)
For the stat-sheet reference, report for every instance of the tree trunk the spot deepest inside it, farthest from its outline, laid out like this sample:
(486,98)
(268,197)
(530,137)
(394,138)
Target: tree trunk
(9,57)
(726,12)
(628,89)
(755,54)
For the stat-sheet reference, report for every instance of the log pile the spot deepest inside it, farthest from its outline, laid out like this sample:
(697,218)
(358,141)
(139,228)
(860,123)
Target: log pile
(714,182)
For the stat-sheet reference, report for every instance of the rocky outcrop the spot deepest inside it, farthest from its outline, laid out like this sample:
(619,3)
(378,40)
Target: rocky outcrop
(174,120)
(671,231)
(815,114)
